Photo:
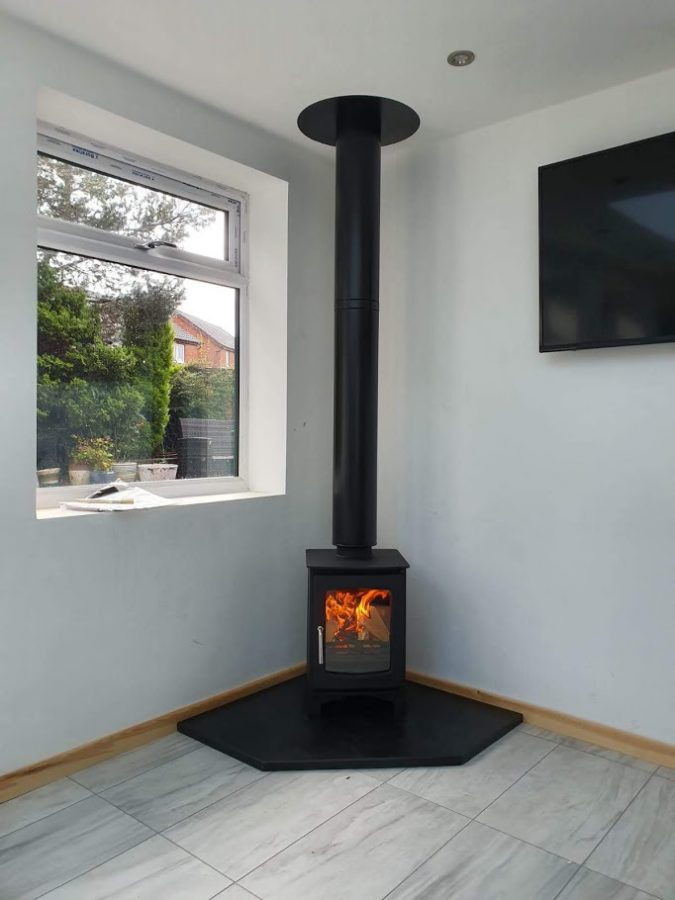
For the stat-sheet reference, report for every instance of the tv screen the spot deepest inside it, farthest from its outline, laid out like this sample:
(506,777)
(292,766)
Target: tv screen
(607,247)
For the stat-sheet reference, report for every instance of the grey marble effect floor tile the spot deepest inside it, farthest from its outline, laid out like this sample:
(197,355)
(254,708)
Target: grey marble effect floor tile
(171,792)
(37,804)
(576,744)
(113,771)
(47,853)
(243,831)
(539,732)
(482,863)
(152,870)
(468,789)
(566,803)
(640,849)
(666,772)
(612,755)
(587,885)
(381,775)
(363,852)
(236,892)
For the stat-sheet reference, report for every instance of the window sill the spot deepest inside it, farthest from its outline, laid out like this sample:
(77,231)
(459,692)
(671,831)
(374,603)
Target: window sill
(58,512)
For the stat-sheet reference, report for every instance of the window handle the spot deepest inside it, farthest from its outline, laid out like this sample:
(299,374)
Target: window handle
(152,245)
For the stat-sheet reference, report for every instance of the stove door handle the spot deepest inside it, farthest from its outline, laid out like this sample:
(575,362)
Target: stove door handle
(320,636)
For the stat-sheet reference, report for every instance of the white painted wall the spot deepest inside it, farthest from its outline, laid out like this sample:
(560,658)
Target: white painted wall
(534,494)
(107,621)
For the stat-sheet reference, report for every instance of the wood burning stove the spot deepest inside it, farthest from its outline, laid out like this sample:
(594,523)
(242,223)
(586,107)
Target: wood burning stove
(356,618)
(356,626)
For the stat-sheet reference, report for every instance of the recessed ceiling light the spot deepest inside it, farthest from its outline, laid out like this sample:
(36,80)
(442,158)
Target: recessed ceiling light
(460,58)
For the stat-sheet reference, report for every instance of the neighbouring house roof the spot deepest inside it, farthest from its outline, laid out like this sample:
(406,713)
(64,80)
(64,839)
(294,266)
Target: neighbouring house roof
(215,332)
(180,334)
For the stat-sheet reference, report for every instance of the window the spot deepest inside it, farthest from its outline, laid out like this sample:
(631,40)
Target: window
(140,280)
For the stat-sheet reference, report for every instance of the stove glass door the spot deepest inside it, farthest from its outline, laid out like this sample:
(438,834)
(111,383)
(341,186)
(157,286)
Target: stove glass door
(358,630)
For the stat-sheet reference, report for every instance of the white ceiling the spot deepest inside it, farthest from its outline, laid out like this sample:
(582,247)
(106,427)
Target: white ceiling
(264,60)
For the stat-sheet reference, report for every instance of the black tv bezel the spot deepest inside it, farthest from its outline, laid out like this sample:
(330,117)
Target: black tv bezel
(588,345)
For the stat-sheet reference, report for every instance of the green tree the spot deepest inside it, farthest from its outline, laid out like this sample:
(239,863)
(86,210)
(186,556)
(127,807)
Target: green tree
(85,386)
(155,361)
(144,321)
(70,341)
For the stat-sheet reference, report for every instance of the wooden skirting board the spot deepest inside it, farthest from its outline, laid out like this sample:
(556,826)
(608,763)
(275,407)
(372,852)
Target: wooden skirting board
(648,749)
(30,777)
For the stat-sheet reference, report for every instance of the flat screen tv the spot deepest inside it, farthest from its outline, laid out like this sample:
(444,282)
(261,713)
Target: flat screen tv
(607,248)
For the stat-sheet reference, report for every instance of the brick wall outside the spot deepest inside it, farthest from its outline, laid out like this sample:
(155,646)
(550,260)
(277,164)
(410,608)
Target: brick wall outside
(208,352)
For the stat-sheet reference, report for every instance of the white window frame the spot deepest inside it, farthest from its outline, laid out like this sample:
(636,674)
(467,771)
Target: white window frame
(84,240)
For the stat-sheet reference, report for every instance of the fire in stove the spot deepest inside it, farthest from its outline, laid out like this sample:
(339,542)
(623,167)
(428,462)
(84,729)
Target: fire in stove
(352,615)
(358,628)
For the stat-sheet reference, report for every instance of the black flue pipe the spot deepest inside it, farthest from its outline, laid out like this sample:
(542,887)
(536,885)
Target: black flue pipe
(357,126)
(357,290)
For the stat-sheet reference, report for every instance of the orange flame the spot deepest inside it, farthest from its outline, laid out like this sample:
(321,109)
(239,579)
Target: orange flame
(349,609)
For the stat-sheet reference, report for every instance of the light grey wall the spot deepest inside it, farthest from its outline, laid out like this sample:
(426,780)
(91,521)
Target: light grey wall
(534,494)
(106,621)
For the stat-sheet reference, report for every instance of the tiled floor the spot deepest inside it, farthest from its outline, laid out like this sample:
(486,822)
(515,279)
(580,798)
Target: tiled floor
(535,817)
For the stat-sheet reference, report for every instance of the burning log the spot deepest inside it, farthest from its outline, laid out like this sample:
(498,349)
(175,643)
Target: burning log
(375,625)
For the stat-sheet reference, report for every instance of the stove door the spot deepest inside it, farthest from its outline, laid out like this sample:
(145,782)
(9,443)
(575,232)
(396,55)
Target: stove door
(356,630)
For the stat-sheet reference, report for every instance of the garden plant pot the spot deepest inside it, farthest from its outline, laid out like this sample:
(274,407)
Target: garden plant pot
(48,477)
(98,476)
(125,471)
(157,471)
(79,476)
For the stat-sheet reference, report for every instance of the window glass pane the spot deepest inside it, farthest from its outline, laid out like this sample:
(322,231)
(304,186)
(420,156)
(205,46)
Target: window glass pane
(75,194)
(111,390)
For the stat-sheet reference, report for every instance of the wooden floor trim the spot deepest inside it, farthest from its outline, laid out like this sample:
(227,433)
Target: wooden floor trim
(30,777)
(648,749)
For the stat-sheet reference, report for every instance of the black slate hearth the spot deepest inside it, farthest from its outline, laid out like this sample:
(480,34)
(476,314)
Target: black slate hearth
(272,731)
